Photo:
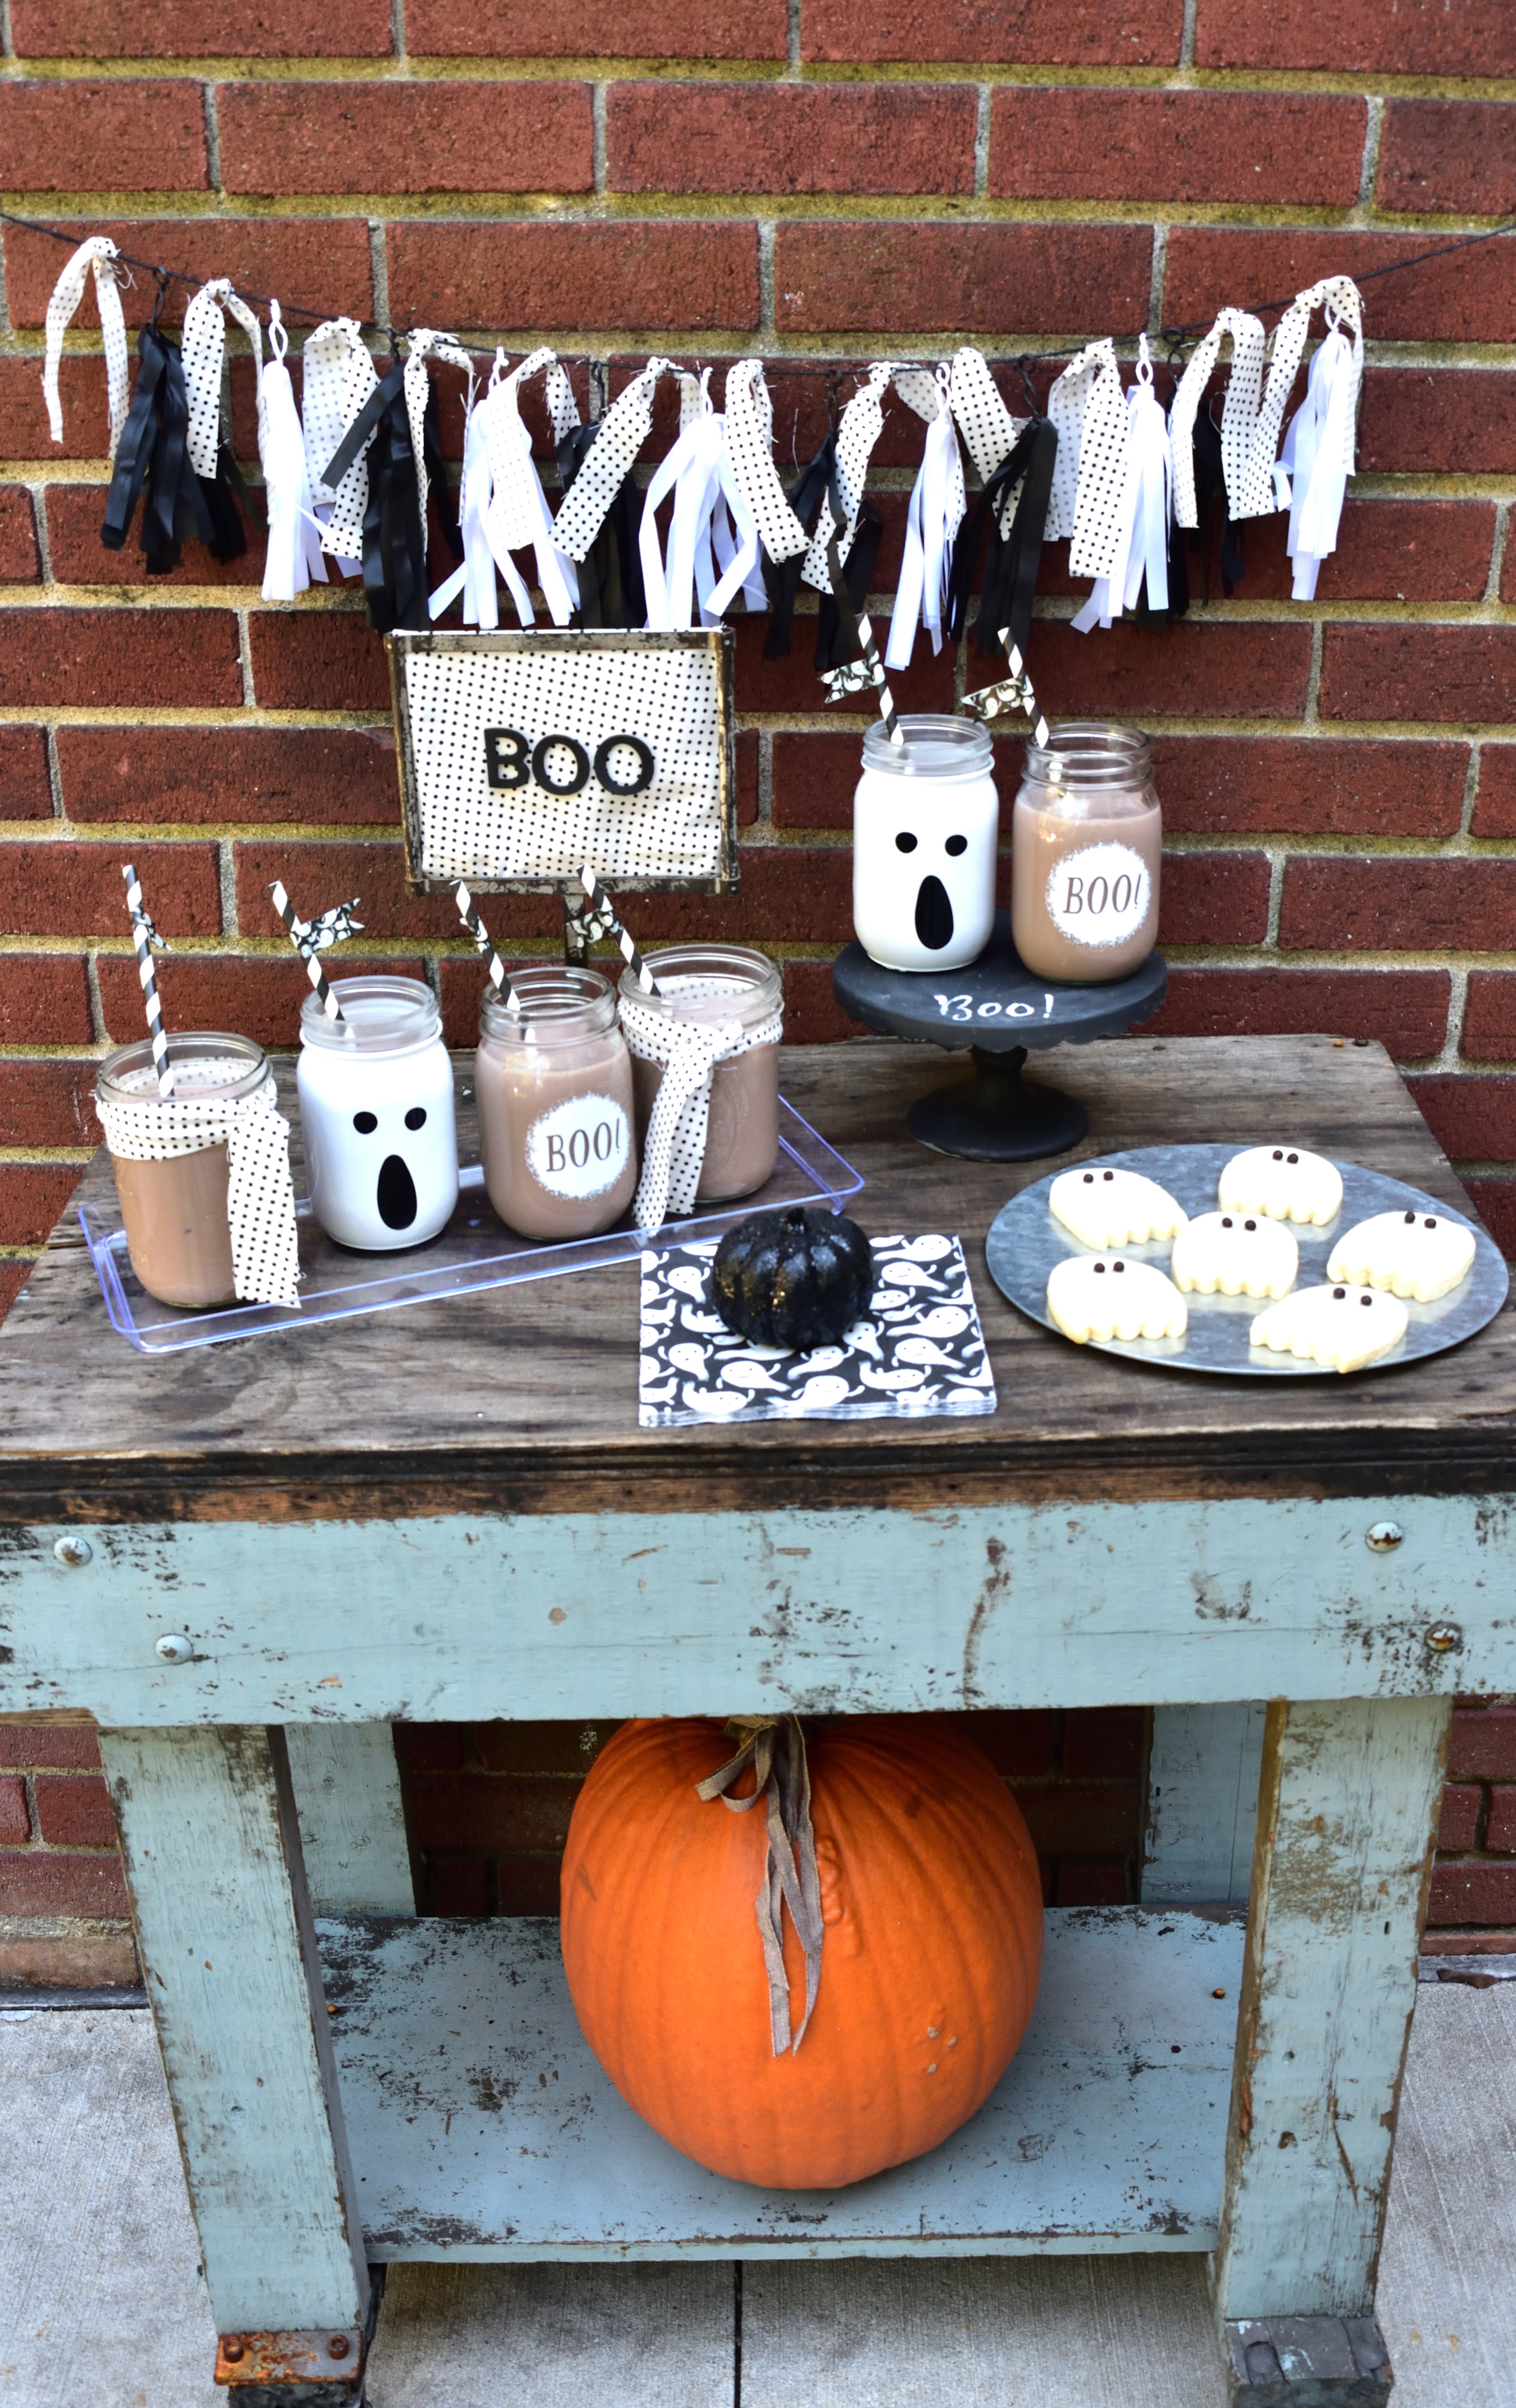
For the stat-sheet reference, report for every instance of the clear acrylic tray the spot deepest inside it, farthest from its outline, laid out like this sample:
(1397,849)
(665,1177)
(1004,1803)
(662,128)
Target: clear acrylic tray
(476,1250)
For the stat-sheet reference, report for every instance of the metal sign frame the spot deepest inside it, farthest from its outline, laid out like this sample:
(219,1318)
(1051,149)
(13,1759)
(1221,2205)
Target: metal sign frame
(720,642)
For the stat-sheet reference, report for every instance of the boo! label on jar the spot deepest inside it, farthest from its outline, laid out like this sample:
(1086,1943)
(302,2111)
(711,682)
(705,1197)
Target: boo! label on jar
(1100,895)
(580,1147)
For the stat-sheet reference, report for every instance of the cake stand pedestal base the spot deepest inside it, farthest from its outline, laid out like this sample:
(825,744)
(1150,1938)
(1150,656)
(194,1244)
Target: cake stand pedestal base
(997,1011)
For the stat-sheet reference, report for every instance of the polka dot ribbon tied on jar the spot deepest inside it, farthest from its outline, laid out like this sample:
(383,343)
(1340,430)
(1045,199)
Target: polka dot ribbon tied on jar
(688,1052)
(260,1191)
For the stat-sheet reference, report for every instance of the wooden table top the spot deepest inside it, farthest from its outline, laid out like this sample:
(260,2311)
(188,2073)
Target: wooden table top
(524,1398)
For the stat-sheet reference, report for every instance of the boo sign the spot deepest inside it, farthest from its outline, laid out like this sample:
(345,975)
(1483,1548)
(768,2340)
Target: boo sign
(523,754)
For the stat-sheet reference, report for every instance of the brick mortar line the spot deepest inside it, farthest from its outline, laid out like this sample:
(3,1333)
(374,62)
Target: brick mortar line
(390,67)
(191,207)
(719,344)
(1303,844)
(1373,138)
(1233,954)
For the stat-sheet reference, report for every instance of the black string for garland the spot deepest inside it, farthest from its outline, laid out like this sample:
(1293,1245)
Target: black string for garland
(154,466)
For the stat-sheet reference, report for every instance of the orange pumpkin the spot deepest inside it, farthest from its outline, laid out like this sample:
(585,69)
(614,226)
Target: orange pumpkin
(932,1910)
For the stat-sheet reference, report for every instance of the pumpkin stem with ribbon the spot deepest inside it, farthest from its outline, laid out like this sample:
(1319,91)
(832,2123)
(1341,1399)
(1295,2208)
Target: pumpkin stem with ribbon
(775,1747)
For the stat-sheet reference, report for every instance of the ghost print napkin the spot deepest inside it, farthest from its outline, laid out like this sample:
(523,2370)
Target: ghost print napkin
(917,1350)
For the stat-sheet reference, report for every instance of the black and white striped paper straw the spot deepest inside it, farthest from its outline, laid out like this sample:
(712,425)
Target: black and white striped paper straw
(856,622)
(295,930)
(606,911)
(1013,693)
(143,934)
(468,913)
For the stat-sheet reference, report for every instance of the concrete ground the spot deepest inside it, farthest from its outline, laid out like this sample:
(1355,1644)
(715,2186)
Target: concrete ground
(102,2305)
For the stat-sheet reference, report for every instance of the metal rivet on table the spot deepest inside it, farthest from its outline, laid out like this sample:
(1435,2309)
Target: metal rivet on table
(338,2346)
(72,1551)
(1383,1536)
(1444,1637)
(175,1648)
(234,2350)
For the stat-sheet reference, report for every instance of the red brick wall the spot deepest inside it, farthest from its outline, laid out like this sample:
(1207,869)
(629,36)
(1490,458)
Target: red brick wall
(488,1804)
(808,179)
(63,1912)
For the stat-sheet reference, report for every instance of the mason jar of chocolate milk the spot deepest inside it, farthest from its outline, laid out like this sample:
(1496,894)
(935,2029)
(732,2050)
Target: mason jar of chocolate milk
(553,1084)
(1086,837)
(724,986)
(174,1210)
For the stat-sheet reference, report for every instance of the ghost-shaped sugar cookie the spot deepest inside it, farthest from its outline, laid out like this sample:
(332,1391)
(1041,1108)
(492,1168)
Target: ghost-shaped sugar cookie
(1420,1254)
(1108,1297)
(1283,1181)
(1113,1207)
(1233,1254)
(1342,1328)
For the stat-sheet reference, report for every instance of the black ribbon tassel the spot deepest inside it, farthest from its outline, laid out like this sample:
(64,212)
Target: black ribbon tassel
(154,466)
(611,591)
(782,578)
(394,537)
(1011,561)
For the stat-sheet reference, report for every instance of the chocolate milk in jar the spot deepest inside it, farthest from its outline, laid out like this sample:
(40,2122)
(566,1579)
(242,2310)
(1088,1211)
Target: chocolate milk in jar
(174,1211)
(553,1084)
(724,986)
(1086,838)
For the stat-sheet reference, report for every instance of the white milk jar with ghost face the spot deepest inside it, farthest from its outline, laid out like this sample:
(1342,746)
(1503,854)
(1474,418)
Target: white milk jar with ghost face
(925,829)
(375,1107)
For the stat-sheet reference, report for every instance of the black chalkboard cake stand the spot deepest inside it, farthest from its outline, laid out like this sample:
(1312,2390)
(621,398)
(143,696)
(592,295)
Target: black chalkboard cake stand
(999,1012)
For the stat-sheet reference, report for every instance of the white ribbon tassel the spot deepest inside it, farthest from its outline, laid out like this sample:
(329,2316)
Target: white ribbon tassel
(294,532)
(504,509)
(938,503)
(1141,523)
(1244,430)
(699,471)
(337,377)
(97,254)
(426,344)
(204,351)
(1318,455)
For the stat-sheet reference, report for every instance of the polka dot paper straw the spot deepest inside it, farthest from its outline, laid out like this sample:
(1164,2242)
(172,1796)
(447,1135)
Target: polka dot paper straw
(145,936)
(605,912)
(468,913)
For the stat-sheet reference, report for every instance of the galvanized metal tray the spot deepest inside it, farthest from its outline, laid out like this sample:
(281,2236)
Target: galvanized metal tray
(1025,1241)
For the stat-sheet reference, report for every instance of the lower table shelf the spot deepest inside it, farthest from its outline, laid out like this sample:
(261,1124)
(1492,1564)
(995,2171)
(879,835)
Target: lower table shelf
(480,2126)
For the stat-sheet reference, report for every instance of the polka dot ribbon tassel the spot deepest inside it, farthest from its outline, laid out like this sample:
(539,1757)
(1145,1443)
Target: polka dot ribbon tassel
(146,938)
(311,937)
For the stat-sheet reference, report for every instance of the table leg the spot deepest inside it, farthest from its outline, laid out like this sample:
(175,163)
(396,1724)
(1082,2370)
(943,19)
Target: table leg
(213,1860)
(352,1825)
(1347,1823)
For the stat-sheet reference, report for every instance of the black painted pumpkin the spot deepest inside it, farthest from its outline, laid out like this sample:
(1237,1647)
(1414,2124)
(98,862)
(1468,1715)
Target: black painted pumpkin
(797,1277)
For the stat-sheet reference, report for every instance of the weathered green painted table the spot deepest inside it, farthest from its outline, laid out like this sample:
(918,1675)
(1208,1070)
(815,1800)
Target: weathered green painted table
(449,1514)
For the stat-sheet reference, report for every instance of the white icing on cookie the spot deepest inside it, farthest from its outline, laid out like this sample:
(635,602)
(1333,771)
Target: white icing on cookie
(1234,1254)
(1340,1327)
(1420,1254)
(1113,1207)
(1107,1297)
(1283,1181)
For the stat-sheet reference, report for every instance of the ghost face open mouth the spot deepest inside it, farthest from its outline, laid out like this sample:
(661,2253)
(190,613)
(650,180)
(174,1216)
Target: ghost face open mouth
(933,915)
(396,1194)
